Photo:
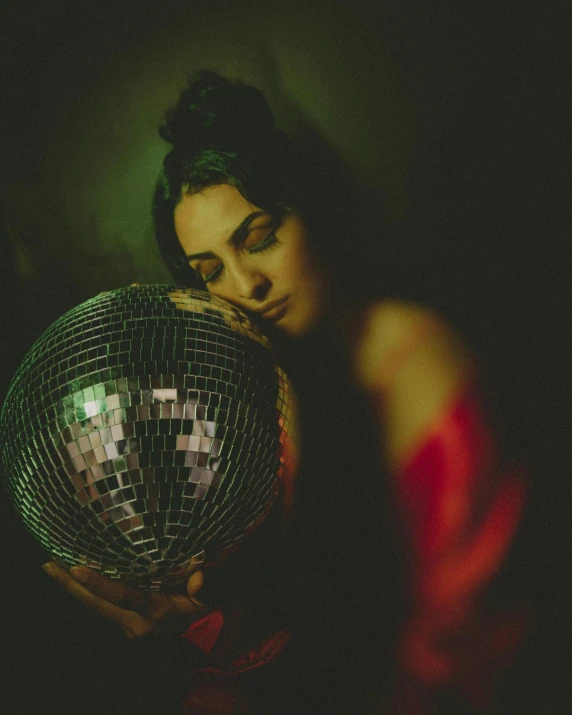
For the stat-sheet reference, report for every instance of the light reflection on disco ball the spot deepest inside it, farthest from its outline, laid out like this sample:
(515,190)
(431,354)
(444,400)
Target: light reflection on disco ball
(143,431)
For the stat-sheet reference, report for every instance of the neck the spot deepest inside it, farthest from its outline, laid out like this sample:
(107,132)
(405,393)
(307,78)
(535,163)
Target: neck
(329,346)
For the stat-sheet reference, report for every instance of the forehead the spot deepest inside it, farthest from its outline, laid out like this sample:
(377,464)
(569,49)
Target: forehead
(213,213)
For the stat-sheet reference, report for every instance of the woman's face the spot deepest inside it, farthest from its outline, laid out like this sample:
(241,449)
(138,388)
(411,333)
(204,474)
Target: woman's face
(248,257)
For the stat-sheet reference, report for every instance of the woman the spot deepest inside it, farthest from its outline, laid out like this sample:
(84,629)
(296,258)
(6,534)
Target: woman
(382,596)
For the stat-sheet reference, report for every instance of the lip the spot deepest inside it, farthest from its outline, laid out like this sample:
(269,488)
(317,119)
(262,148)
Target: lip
(274,310)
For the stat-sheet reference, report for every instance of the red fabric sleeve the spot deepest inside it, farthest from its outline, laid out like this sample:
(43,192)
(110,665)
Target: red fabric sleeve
(461,510)
(205,632)
(213,688)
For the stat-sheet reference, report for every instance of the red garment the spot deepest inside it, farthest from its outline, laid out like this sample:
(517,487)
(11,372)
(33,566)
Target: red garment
(461,509)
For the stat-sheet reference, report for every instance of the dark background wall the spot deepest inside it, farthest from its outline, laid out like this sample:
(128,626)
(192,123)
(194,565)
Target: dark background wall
(455,117)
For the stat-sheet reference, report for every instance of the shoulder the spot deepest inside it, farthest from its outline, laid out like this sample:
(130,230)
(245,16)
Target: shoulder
(410,357)
(397,335)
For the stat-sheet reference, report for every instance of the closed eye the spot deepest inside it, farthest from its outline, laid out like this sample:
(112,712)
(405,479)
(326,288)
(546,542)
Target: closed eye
(268,242)
(213,275)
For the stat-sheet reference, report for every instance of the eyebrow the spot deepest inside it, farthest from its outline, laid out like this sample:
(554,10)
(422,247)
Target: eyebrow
(237,235)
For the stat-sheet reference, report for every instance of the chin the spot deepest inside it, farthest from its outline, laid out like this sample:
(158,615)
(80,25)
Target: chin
(291,328)
(294,324)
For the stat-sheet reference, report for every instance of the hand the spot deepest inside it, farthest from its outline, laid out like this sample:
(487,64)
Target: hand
(137,612)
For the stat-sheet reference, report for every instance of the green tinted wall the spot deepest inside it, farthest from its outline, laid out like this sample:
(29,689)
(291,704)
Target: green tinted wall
(91,89)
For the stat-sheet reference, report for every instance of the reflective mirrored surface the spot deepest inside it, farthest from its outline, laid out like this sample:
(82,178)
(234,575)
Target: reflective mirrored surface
(143,431)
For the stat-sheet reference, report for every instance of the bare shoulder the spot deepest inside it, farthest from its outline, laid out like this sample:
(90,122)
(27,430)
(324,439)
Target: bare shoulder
(393,333)
(411,358)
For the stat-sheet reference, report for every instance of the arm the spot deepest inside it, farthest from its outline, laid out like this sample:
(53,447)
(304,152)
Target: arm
(460,508)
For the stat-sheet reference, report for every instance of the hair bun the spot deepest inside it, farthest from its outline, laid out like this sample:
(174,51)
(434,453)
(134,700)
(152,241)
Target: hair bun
(216,113)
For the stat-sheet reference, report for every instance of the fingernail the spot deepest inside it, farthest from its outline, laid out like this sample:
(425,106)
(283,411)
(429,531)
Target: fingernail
(48,567)
(79,573)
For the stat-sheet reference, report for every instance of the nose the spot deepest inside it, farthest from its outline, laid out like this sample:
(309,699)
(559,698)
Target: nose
(251,284)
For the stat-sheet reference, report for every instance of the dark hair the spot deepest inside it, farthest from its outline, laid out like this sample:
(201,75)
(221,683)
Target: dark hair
(223,132)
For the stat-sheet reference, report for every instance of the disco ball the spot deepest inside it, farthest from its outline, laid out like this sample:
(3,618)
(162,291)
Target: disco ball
(143,434)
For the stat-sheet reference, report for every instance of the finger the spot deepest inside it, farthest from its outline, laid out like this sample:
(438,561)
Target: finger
(128,633)
(116,592)
(90,600)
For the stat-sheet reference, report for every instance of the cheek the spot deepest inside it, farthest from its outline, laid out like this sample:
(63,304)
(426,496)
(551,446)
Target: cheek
(296,263)
(306,274)
(227,295)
